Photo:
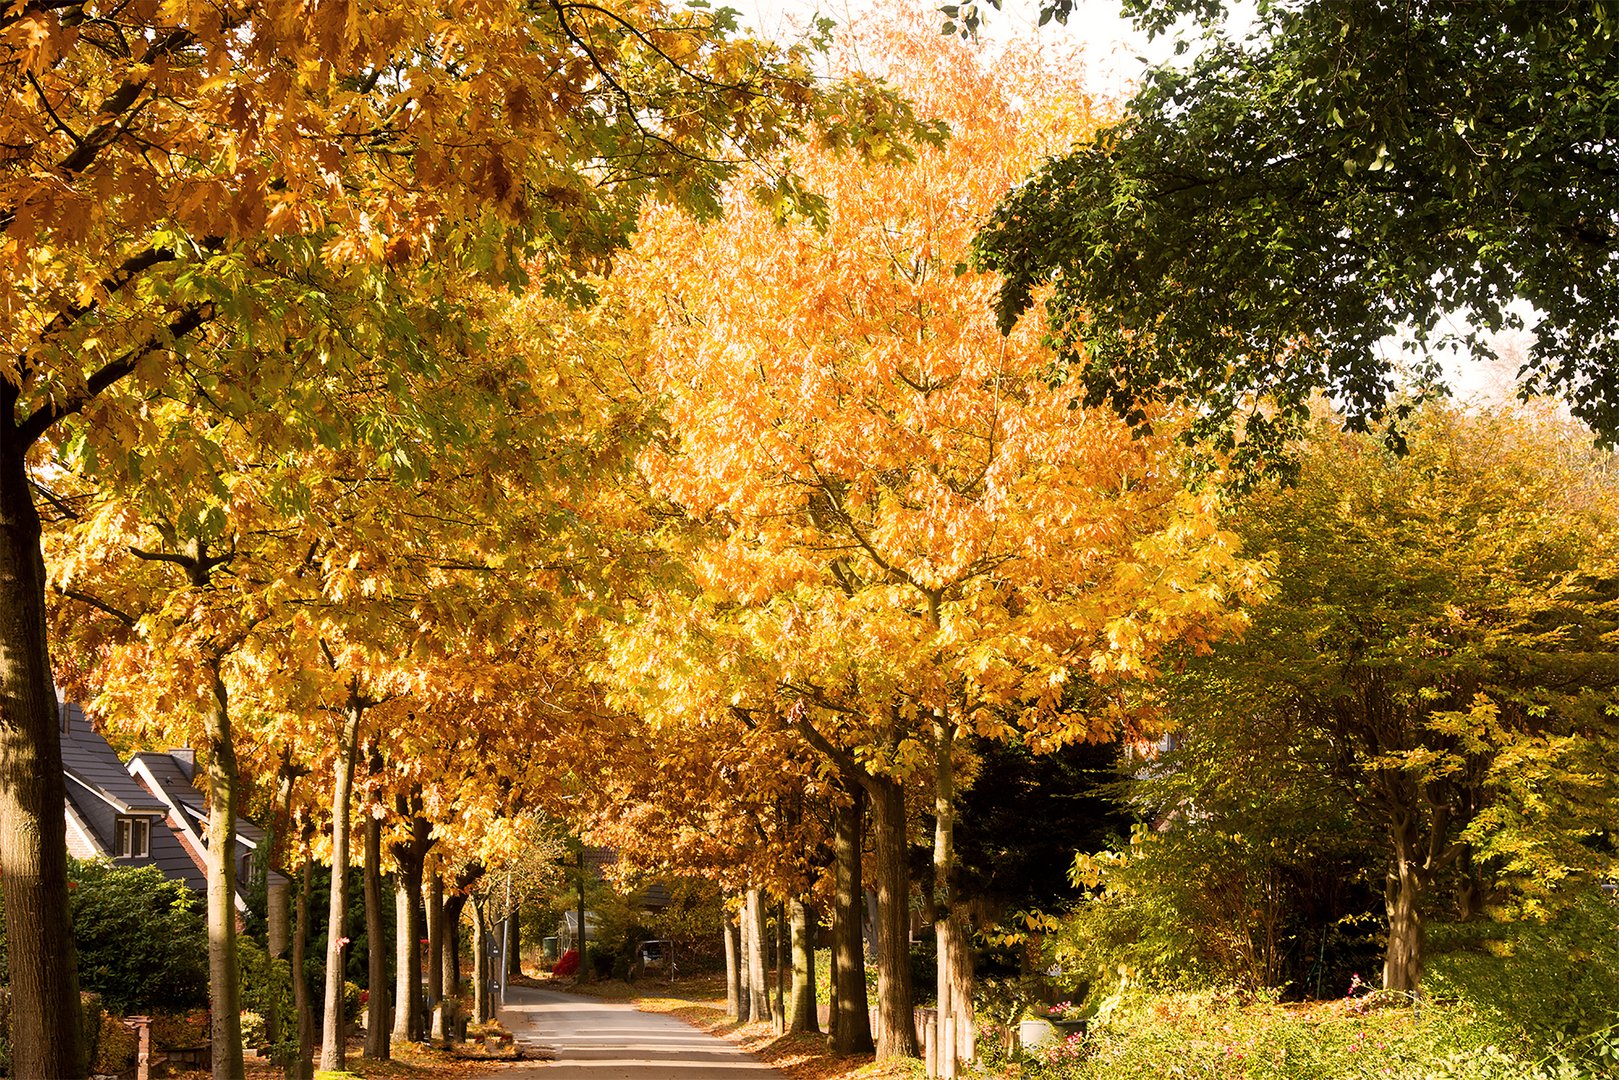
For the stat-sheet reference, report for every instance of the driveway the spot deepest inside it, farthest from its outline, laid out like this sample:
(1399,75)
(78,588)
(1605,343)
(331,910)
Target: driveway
(592,1039)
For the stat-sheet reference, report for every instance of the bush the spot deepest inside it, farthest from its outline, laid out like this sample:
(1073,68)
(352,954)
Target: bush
(180,1030)
(141,938)
(267,991)
(1220,1037)
(1551,980)
(114,1048)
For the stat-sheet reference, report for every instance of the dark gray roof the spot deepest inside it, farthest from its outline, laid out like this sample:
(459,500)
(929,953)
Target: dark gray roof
(100,790)
(175,780)
(87,756)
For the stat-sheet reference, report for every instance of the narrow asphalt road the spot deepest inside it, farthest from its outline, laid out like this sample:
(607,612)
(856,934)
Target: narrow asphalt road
(592,1039)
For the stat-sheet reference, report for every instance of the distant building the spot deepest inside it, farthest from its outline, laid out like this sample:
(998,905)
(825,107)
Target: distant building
(110,815)
(170,777)
(148,813)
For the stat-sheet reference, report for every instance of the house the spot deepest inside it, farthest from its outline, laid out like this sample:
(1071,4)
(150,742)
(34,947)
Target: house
(170,777)
(148,813)
(109,814)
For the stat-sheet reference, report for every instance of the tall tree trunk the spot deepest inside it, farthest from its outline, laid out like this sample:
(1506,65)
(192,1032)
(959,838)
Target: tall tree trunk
(452,965)
(435,954)
(302,1066)
(333,1051)
(736,998)
(379,1014)
(46,1035)
(754,937)
(955,1001)
(411,855)
(802,1012)
(779,1018)
(514,942)
(277,899)
(481,1013)
(1403,896)
(224,973)
(851,1016)
(896,1011)
(586,971)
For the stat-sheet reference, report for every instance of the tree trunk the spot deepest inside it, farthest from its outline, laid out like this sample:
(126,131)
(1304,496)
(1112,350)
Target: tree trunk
(452,965)
(851,1015)
(410,855)
(955,989)
(804,1016)
(333,1051)
(435,954)
(224,972)
(514,942)
(896,1011)
(480,964)
(302,1066)
(46,1035)
(736,999)
(379,1015)
(277,899)
(1402,896)
(586,971)
(754,947)
(780,1016)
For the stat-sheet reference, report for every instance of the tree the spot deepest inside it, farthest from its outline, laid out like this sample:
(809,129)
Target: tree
(896,519)
(209,199)
(1440,652)
(1265,216)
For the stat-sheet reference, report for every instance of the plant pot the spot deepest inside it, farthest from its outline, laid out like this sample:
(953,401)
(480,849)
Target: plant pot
(1039,1030)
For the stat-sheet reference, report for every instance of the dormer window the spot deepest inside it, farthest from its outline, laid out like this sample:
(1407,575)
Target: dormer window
(132,838)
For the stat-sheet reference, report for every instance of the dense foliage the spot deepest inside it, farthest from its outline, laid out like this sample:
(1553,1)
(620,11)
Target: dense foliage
(141,939)
(1268,213)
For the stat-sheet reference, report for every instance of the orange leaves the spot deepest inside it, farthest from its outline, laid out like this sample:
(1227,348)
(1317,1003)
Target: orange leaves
(900,509)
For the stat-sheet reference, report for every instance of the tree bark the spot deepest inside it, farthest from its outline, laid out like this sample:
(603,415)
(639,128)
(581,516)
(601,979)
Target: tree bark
(955,1001)
(803,1013)
(224,972)
(851,1015)
(514,942)
(451,957)
(411,855)
(779,1017)
(277,899)
(736,998)
(754,948)
(587,971)
(46,1028)
(333,1051)
(379,1013)
(480,964)
(435,954)
(896,1011)
(302,1066)
(1402,896)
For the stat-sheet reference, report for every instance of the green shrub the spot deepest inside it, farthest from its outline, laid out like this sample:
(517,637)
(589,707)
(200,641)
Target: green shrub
(1552,980)
(141,938)
(267,991)
(1219,1037)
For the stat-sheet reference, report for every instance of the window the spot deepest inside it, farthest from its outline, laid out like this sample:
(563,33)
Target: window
(133,838)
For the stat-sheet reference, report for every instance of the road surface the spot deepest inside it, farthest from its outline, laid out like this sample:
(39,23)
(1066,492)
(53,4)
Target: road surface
(592,1039)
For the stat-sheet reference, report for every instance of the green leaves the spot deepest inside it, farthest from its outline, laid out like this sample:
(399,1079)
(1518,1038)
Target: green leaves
(1264,220)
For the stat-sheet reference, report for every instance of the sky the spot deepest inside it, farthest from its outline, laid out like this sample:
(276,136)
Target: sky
(1115,53)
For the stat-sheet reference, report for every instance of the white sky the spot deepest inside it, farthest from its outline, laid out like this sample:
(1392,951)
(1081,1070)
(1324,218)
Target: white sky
(1115,53)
